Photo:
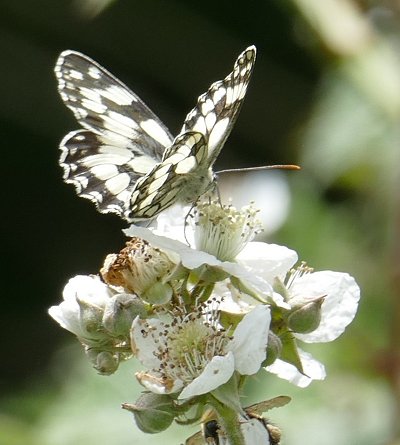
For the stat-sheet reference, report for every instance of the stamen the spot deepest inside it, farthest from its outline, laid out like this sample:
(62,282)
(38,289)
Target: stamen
(187,344)
(224,231)
(296,273)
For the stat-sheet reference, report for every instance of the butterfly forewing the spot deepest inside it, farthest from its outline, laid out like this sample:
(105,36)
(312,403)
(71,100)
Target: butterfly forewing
(217,109)
(103,104)
(123,141)
(124,159)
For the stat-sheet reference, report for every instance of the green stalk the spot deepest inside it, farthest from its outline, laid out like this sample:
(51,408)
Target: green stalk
(228,419)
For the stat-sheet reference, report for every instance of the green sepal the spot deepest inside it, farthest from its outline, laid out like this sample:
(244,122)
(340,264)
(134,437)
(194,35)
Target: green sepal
(289,351)
(229,320)
(280,288)
(207,274)
(242,287)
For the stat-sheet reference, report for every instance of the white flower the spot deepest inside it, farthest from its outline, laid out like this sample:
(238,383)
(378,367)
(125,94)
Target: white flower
(331,296)
(339,307)
(81,291)
(225,233)
(192,355)
(340,294)
(256,265)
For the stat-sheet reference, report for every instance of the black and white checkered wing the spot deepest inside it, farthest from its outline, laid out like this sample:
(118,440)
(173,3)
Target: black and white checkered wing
(124,159)
(179,177)
(121,140)
(216,110)
(185,171)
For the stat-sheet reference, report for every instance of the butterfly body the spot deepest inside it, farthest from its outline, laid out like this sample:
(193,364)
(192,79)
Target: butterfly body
(124,159)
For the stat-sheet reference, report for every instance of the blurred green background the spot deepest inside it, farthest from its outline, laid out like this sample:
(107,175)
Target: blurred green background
(325,94)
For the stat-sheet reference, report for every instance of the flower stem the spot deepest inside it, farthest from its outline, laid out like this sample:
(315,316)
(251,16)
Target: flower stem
(228,419)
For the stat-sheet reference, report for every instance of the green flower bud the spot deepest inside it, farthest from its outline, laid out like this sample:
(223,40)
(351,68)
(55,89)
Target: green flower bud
(120,311)
(104,362)
(153,412)
(90,316)
(306,318)
(274,349)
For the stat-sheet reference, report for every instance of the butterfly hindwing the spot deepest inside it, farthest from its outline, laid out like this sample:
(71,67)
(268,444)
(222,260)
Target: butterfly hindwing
(178,175)
(101,171)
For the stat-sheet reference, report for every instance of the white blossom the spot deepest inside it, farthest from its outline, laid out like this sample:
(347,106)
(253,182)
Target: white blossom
(341,296)
(189,353)
(256,265)
(84,289)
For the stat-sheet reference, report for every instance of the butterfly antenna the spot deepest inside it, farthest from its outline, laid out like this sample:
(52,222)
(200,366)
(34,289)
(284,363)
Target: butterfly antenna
(263,167)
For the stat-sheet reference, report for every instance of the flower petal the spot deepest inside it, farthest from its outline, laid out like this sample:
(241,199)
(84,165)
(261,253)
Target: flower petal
(254,431)
(217,372)
(340,304)
(143,346)
(171,223)
(267,260)
(66,314)
(280,301)
(313,370)
(157,384)
(250,340)
(256,283)
(190,258)
(88,288)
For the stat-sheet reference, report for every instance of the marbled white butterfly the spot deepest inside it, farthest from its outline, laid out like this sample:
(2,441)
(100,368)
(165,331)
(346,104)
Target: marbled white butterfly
(124,159)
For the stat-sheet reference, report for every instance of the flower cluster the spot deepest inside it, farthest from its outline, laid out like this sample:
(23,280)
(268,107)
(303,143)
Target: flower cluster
(202,306)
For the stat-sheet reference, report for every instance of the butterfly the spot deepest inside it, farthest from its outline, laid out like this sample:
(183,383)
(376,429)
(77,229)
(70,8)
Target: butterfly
(124,159)
(211,433)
